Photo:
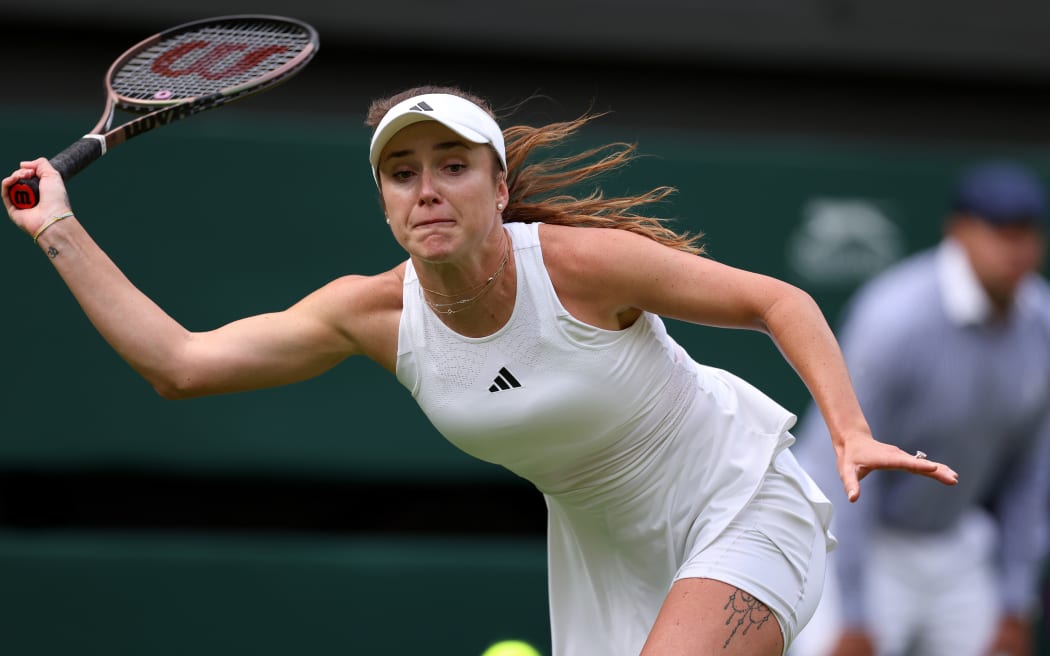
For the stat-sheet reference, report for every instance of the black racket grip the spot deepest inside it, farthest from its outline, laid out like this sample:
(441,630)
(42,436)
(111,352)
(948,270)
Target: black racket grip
(25,194)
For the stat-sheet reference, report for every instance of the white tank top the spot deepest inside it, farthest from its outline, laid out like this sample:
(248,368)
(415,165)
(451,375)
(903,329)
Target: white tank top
(644,455)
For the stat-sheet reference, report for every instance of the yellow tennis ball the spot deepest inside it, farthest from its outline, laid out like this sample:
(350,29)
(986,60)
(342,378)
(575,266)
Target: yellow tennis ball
(511,648)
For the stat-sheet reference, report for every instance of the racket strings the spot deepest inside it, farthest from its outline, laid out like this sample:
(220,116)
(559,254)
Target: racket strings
(211,59)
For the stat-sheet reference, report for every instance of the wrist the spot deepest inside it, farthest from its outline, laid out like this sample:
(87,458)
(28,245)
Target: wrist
(50,222)
(842,438)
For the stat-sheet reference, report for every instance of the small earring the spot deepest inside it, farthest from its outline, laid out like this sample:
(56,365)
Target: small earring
(499,206)
(388,220)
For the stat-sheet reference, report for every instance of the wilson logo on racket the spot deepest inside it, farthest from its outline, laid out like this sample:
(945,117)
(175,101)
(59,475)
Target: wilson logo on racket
(180,72)
(204,65)
(23,195)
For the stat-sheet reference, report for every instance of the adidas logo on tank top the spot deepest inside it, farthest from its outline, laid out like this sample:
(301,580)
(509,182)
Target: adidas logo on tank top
(504,381)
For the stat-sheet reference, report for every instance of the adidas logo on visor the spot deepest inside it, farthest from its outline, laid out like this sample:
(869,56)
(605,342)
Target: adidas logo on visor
(421,107)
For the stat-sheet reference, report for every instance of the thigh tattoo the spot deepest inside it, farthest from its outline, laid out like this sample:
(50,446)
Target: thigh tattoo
(745,612)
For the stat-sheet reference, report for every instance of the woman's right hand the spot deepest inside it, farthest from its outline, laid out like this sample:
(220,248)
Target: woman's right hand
(54,200)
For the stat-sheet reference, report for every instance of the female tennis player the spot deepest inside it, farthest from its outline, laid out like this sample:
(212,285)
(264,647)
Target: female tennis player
(527,324)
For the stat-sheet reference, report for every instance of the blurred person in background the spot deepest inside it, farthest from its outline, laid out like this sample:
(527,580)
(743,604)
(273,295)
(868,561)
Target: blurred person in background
(949,351)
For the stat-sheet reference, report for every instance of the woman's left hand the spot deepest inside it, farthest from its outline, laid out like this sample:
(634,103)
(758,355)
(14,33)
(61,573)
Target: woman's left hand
(862,454)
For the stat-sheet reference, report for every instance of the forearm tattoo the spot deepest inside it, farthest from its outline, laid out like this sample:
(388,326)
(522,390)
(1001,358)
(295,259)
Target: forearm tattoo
(745,612)
(52,252)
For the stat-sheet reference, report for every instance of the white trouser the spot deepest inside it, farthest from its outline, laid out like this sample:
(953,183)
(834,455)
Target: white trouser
(926,595)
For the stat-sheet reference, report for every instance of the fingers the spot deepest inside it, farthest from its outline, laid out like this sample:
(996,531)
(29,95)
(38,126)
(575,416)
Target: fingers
(935,470)
(944,474)
(853,494)
(916,463)
(40,163)
(25,170)
(6,183)
(852,485)
(17,175)
(39,167)
(919,464)
(53,196)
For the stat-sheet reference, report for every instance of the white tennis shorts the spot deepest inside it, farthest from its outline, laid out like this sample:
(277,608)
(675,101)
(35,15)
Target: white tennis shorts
(775,550)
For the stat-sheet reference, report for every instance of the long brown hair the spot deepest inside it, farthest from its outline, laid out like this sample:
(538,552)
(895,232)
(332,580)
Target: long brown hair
(538,190)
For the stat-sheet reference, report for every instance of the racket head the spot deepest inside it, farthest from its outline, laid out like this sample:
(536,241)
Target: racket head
(181,71)
(214,60)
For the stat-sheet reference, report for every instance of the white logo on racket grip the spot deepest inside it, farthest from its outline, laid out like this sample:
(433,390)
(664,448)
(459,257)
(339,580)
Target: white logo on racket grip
(178,61)
(101,139)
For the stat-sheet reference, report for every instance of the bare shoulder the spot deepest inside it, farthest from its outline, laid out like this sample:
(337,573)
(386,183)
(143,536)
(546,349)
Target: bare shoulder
(586,267)
(603,255)
(372,293)
(588,251)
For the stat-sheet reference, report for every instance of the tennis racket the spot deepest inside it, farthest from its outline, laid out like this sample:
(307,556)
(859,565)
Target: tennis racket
(181,72)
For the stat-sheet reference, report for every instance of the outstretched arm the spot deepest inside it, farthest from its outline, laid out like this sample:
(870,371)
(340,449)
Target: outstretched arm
(256,352)
(623,270)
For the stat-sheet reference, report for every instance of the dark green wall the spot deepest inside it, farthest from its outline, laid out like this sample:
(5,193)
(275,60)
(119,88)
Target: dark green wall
(173,595)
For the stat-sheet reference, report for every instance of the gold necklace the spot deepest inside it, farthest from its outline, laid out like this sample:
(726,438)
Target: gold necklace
(459,306)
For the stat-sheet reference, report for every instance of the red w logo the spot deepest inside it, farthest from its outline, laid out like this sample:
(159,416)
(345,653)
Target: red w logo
(205,65)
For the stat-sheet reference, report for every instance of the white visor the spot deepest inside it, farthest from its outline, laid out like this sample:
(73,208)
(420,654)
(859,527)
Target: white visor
(457,114)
